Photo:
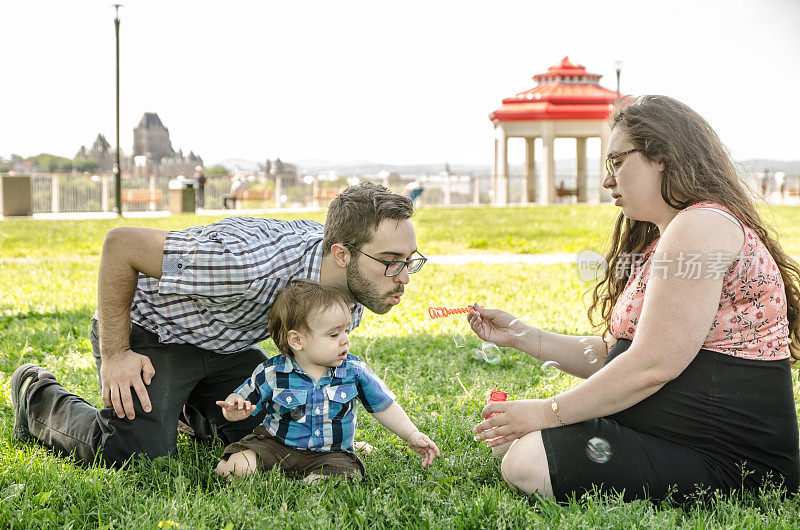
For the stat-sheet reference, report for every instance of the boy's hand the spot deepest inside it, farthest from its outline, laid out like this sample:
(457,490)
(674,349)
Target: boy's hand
(235,408)
(424,446)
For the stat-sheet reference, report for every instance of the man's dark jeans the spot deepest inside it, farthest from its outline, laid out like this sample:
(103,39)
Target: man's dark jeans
(184,374)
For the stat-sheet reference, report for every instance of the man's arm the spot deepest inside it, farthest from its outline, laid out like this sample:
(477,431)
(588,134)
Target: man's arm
(127,251)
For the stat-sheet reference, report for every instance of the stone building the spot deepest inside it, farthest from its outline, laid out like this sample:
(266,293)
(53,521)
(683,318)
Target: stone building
(153,152)
(101,151)
(151,138)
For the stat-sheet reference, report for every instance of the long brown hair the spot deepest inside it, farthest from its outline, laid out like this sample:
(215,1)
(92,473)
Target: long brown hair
(697,168)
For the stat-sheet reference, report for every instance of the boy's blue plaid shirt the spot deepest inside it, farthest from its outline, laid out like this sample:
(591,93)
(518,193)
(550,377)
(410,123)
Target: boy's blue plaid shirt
(320,416)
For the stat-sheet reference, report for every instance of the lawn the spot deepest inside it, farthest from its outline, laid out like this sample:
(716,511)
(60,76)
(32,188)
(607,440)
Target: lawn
(48,285)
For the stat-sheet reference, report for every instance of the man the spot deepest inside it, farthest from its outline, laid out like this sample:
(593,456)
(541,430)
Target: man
(200,178)
(179,314)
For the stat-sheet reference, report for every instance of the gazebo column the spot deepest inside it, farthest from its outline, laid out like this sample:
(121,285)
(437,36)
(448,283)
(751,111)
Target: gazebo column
(501,168)
(547,180)
(581,180)
(604,195)
(529,190)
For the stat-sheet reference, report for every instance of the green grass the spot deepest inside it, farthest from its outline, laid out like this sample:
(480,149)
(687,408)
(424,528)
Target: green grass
(46,305)
(521,230)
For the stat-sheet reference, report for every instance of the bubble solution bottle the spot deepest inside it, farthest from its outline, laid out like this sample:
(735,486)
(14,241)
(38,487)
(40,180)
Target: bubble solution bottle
(494,397)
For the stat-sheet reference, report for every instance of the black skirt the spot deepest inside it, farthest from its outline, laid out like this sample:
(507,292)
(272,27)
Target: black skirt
(725,423)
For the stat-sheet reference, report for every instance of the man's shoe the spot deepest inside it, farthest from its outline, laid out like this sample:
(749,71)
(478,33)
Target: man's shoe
(21,381)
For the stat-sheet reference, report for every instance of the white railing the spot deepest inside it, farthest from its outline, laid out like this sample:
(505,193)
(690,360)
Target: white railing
(95,193)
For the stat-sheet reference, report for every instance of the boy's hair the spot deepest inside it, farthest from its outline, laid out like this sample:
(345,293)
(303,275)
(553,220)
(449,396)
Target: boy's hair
(293,305)
(354,214)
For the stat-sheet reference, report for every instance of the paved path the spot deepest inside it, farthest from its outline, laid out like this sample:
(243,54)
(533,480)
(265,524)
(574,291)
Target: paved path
(530,259)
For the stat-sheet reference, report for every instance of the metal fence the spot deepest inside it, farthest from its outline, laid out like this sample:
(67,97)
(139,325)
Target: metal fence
(93,193)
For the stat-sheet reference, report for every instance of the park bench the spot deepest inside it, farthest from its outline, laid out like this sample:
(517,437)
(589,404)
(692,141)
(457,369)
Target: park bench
(561,191)
(140,196)
(248,195)
(326,194)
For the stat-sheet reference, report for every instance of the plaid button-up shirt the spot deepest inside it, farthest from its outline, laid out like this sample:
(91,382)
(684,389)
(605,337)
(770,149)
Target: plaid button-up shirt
(219,281)
(321,415)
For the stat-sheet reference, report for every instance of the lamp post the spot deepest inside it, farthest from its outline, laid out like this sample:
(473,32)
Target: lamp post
(117,165)
(618,66)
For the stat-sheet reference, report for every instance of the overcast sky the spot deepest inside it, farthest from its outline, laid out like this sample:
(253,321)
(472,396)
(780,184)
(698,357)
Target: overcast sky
(400,81)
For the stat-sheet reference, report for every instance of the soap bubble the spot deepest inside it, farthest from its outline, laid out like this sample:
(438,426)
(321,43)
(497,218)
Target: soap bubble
(551,370)
(519,332)
(490,352)
(11,492)
(599,450)
(591,265)
(591,356)
(459,340)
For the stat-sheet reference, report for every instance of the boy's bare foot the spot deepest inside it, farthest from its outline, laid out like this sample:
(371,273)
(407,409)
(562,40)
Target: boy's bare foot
(313,478)
(363,447)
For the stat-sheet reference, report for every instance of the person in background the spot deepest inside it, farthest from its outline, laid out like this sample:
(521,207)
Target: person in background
(780,183)
(236,193)
(413,190)
(764,181)
(200,180)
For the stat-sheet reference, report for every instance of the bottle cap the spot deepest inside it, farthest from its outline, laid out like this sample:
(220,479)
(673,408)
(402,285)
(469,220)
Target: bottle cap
(498,395)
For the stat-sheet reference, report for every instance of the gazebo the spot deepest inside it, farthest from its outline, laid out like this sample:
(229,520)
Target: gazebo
(567,101)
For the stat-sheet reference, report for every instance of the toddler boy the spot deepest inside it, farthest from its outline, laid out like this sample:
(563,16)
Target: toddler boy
(309,391)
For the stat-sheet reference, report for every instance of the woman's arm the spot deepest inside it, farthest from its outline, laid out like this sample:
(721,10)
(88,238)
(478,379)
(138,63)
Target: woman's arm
(580,356)
(675,320)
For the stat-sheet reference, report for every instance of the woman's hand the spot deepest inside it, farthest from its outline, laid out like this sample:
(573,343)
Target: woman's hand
(507,421)
(494,325)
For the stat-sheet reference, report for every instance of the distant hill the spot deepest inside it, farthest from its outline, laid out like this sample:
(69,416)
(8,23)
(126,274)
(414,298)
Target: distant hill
(757,165)
(241,163)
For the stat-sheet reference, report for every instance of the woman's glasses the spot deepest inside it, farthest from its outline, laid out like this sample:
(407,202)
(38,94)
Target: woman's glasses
(610,166)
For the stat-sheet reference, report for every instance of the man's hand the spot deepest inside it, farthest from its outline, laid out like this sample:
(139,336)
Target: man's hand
(424,446)
(236,408)
(121,372)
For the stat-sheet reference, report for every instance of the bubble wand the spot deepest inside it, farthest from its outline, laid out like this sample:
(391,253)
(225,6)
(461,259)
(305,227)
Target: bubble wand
(444,312)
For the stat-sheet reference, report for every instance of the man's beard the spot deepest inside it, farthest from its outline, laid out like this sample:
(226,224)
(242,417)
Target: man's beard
(365,292)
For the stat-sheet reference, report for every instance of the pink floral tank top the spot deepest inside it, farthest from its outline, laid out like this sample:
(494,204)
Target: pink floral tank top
(751,318)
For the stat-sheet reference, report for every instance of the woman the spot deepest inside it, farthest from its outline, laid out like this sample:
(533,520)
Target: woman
(703,310)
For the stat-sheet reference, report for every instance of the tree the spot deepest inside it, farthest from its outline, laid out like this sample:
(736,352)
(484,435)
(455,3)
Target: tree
(52,163)
(217,171)
(85,165)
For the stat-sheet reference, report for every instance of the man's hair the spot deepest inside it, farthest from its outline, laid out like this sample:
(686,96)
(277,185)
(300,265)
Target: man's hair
(354,215)
(295,303)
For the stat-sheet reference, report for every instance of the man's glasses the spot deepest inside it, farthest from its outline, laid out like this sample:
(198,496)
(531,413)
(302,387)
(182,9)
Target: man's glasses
(393,268)
(610,159)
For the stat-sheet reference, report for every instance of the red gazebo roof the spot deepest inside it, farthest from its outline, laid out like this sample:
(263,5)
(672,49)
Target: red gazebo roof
(565,92)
